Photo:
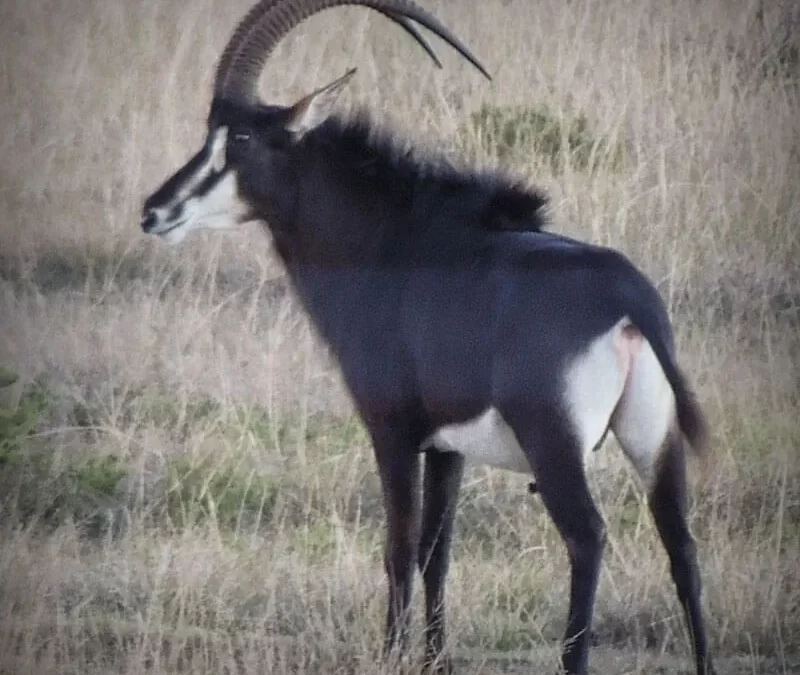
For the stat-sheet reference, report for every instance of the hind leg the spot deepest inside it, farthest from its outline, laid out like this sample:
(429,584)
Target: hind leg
(668,506)
(645,426)
(557,463)
(533,488)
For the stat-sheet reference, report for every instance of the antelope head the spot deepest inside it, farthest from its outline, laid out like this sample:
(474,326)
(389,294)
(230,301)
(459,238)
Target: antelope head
(241,172)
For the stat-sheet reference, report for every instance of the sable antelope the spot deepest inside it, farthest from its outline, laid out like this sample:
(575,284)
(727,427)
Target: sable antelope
(462,329)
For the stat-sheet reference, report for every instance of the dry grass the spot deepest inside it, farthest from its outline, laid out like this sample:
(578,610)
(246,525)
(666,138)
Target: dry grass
(101,99)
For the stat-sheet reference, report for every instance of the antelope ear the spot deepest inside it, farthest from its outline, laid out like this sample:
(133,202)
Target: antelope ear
(312,110)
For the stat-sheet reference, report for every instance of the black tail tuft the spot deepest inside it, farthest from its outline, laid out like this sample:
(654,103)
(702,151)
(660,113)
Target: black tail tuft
(650,318)
(690,417)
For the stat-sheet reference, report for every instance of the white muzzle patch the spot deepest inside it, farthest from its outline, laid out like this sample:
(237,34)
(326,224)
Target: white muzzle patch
(208,198)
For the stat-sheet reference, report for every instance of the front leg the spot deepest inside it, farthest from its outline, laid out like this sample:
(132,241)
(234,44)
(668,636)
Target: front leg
(443,473)
(398,466)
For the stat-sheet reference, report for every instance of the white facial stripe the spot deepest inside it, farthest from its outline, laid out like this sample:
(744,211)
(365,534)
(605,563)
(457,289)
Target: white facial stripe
(219,208)
(218,146)
(215,162)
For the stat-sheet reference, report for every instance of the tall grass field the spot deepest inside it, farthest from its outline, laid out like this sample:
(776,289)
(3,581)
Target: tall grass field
(184,484)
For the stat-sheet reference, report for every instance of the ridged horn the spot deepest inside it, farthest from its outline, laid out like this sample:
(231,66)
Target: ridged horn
(257,35)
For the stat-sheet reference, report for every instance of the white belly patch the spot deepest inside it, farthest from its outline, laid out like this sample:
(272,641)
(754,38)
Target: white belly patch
(486,439)
(616,381)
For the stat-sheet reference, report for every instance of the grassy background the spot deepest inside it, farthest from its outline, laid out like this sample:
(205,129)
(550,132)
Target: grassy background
(183,486)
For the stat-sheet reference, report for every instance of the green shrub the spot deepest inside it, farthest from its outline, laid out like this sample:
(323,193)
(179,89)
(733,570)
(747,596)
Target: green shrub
(140,407)
(164,411)
(18,421)
(224,491)
(514,133)
(318,539)
(777,32)
(7,377)
(37,485)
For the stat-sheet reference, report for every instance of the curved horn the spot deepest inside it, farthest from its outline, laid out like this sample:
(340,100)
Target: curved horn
(408,26)
(266,23)
(249,22)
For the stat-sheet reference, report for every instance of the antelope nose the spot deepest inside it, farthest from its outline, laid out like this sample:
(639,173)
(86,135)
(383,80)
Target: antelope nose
(149,220)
